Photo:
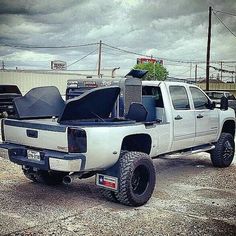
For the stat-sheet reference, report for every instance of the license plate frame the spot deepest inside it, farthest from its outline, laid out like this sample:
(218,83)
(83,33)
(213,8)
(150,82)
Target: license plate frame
(107,182)
(33,155)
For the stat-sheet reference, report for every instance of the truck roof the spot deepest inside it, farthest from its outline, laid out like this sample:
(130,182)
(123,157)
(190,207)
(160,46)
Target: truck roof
(217,91)
(157,83)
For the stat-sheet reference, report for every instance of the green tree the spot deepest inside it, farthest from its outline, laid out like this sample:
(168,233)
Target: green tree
(155,71)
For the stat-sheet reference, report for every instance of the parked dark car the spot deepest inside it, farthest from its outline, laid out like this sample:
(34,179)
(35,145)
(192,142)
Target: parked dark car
(217,95)
(7,94)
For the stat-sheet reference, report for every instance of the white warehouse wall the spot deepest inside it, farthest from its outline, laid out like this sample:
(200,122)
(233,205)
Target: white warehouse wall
(27,80)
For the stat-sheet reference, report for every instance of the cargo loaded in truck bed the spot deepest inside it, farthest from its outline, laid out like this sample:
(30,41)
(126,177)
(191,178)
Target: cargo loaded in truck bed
(43,114)
(49,127)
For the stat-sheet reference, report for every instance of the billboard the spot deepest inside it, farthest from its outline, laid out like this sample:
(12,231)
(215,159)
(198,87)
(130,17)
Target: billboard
(143,60)
(58,65)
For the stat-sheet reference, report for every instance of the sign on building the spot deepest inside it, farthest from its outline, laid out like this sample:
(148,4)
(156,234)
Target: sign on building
(143,60)
(58,65)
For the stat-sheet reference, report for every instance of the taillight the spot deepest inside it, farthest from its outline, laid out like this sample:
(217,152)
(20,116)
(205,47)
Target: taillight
(2,130)
(77,140)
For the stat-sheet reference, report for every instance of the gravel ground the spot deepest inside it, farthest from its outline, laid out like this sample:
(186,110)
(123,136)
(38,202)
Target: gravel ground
(191,198)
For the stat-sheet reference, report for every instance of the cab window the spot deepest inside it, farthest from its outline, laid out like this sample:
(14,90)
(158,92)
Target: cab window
(155,92)
(200,100)
(179,98)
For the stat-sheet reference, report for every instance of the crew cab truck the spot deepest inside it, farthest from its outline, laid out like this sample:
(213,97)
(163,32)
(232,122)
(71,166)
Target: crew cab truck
(56,141)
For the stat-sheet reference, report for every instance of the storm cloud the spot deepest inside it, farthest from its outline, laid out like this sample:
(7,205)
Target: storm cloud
(165,29)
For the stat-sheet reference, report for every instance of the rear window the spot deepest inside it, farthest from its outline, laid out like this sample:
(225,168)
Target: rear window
(179,98)
(9,89)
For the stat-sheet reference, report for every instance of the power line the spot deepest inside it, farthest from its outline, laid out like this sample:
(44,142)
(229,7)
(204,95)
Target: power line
(199,67)
(181,74)
(126,51)
(163,58)
(223,70)
(225,25)
(224,12)
(110,53)
(144,55)
(110,47)
(48,47)
(229,66)
(168,64)
(82,58)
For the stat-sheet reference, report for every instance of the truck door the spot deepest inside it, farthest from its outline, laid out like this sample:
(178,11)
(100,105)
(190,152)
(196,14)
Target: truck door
(207,120)
(183,118)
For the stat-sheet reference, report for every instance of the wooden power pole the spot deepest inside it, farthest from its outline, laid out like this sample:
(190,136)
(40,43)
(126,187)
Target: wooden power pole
(99,58)
(221,71)
(235,75)
(208,50)
(196,73)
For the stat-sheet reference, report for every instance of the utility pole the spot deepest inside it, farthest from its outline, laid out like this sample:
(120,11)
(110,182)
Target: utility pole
(154,64)
(3,65)
(208,49)
(235,75)
(221,70)
(99,58)
(196,73)
(190,70)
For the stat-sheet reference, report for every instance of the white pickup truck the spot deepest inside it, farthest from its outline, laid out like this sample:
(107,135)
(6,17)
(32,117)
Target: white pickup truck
(55,141)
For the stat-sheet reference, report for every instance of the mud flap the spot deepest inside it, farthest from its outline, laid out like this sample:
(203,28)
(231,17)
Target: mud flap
(109,178)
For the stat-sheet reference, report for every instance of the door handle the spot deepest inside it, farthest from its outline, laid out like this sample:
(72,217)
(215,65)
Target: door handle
(178,117)
(199,116)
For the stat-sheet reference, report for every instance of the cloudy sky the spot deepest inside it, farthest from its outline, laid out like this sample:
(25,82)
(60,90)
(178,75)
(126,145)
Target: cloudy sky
(170,29)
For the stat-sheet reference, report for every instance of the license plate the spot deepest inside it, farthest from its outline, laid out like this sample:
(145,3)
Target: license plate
(33,155)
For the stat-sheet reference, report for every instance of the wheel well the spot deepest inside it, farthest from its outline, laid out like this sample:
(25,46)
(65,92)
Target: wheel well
(137,142)
(229,127)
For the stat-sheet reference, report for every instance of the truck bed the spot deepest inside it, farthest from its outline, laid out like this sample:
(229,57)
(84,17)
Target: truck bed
(47,133)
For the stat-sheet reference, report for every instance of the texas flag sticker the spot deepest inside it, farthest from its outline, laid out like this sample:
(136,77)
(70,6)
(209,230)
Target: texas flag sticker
(106,181)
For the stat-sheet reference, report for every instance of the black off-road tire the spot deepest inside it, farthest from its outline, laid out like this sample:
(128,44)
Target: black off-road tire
(137,178)
(108,195)
(50,177)
(223,154)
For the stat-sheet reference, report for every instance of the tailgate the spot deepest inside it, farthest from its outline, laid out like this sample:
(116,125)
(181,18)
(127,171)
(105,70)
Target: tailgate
(42,134)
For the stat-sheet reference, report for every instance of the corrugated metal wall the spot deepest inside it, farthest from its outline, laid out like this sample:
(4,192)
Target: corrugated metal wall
(27,80)
(220,86)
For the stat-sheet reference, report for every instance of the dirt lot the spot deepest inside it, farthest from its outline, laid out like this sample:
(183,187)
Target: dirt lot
(191,198)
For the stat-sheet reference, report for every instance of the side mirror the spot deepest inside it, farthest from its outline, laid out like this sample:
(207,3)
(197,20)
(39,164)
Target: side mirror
(211,105)
(224,103)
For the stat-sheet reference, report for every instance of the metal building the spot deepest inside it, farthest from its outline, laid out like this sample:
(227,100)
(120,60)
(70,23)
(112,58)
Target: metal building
(26,79)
